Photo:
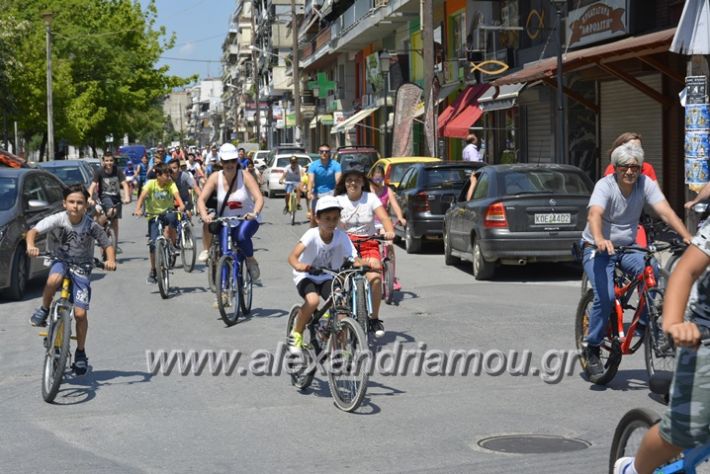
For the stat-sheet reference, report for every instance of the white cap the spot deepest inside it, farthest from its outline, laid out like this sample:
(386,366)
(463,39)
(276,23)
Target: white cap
(327,202)
(228,152)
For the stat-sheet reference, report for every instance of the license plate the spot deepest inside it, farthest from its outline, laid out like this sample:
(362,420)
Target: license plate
(565,218)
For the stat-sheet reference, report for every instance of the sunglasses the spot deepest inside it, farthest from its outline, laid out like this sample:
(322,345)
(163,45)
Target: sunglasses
(323,151)
(625,168)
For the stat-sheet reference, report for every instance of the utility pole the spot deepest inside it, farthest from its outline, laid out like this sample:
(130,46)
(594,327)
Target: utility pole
(561,155)
(426,18)
(296,74)
(50,108)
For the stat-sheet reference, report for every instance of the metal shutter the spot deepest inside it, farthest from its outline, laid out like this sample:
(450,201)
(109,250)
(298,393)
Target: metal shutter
(540,117)
(626,109)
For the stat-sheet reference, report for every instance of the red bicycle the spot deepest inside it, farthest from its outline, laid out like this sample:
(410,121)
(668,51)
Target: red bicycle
(632,296)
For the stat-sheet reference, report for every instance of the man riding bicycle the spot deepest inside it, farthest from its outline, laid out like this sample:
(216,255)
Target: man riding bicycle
(108,180)
(322,176)
(614,211)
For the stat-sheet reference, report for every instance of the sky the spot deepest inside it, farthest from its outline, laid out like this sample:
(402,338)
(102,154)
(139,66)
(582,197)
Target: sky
(200,27)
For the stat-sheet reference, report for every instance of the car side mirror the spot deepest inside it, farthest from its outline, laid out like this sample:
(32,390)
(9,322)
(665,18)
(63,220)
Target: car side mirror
(37,205)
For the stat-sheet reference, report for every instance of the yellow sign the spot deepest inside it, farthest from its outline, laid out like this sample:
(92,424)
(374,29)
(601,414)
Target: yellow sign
(488,67)
(535,24)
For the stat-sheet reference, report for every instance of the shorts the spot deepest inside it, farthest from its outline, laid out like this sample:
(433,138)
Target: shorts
(367,249)
(169,219)
(291,185)
(107,202)
(686,422)
(80,283)
(307,285)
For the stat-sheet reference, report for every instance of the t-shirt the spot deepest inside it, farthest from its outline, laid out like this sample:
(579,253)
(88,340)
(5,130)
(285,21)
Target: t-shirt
(185,183)
(621,214)
(159,198)
(291,175)
(72,242)
(324,175)
(109,183)
(470,153)
(319,254)
(699,303)
(358,217)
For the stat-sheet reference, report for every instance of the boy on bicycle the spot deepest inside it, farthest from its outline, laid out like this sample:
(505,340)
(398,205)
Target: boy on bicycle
(686,423)
(160,195)
(323,246)
(108,181)
(72,239)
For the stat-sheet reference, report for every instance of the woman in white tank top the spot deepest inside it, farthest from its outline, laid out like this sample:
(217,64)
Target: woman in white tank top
(244,200)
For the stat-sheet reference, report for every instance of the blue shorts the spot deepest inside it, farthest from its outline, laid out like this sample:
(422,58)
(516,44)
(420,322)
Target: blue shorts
(81,283)
(291,185)
(169,219)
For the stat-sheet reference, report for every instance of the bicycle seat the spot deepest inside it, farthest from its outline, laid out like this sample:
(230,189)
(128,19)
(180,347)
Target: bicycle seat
(660,383)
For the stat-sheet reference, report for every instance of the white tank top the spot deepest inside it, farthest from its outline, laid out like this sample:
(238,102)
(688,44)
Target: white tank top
(240,198)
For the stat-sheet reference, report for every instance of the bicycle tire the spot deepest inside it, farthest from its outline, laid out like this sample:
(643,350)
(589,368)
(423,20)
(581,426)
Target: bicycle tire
(610,353)
(246,286)
(212,261)
(227,296)
(187,250)
(57,351)
(302,371)
(361,305)
(347,374)
(388,272)
(629,432)
(656,359)
(161,265)
(585,283)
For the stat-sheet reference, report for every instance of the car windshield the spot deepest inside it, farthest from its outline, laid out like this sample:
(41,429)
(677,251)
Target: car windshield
(398,171)
(8,193)
(543,181)
(68,174)
(284,162)
(363,160)
(441,177)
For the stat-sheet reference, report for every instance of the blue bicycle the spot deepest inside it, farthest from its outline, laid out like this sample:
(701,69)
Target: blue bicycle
(634,425)
(232,278)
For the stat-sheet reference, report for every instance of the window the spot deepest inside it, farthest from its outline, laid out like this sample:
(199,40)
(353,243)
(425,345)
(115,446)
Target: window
(409,179)
(54,189)
(8,193)
(543,182)
(481,190)
(33,190)
(447,177)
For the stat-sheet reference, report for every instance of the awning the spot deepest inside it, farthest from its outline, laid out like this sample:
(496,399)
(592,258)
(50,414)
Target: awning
(465,99)
(326,119)
(444,92)
(634,46)
(500,98)
(693,35)
(351,121)
(458,126)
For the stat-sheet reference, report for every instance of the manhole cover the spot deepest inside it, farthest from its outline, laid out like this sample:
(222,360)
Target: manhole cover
(532,444)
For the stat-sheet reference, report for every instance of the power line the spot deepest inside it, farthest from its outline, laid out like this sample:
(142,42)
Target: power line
(191,60)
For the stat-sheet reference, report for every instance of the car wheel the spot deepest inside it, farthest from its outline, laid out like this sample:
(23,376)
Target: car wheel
(448,258)
(482,269)
(411,243)
(18,276)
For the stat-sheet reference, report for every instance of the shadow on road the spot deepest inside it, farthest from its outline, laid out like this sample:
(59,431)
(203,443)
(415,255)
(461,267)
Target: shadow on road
(625,380)
(81,389)
(533,272)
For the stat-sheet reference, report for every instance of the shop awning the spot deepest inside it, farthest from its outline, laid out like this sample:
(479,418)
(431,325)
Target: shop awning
(458,126)
(501,97)
(466,99)
(326,119)
(634,46)
(353,120)
(444,92)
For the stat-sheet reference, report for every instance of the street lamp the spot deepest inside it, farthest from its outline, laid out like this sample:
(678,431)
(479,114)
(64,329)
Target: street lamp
(385,69)
(560,154)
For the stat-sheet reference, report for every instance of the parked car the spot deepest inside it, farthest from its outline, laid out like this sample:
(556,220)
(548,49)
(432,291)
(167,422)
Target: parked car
(70,171)
(425,193)
(95,163)
(519,214)
(395,167)
(275,167)
(360,157)
(26,197)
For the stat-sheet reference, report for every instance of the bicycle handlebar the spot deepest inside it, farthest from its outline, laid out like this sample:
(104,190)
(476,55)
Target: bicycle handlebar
(96,263)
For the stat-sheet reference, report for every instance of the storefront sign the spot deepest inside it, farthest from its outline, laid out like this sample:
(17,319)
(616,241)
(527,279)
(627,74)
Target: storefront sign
(597,22)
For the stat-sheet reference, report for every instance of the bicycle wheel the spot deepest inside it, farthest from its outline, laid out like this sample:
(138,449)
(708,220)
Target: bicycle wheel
(658,357)
(161,265)
(585,283)
(300,368)
(57,351)
(349,361)
(227,291)
(388,280)
(361,305)
(187,250)
(246,286)
(629,433)
(212,261)
(610,351)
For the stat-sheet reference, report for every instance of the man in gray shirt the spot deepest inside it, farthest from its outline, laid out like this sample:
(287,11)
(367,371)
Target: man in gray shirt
(614,211)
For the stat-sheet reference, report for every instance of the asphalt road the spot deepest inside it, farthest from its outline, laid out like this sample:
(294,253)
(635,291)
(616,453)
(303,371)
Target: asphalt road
(120,417)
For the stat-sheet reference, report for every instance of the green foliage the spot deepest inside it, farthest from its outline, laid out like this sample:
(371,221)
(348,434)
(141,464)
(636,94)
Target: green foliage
(105,78)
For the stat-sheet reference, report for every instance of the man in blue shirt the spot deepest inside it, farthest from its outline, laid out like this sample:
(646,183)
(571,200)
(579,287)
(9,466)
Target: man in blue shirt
(243,160)
(322,176)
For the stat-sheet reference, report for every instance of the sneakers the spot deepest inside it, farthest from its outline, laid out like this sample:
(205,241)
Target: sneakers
(203,256)
(377,327)
(39,317)
(152,277)
(594,363)
(624,465)
(81,362)
(254,270)
(295,342)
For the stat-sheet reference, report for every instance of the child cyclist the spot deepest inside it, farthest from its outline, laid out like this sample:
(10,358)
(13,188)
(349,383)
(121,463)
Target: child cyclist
(107,183)
(160,195)
(323,246)
(71,239)
(686,423)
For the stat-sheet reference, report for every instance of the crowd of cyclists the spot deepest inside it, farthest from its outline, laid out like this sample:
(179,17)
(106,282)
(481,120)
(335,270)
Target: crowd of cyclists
(347,208)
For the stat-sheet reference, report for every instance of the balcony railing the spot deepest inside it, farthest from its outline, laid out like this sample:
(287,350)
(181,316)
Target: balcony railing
(352,16)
